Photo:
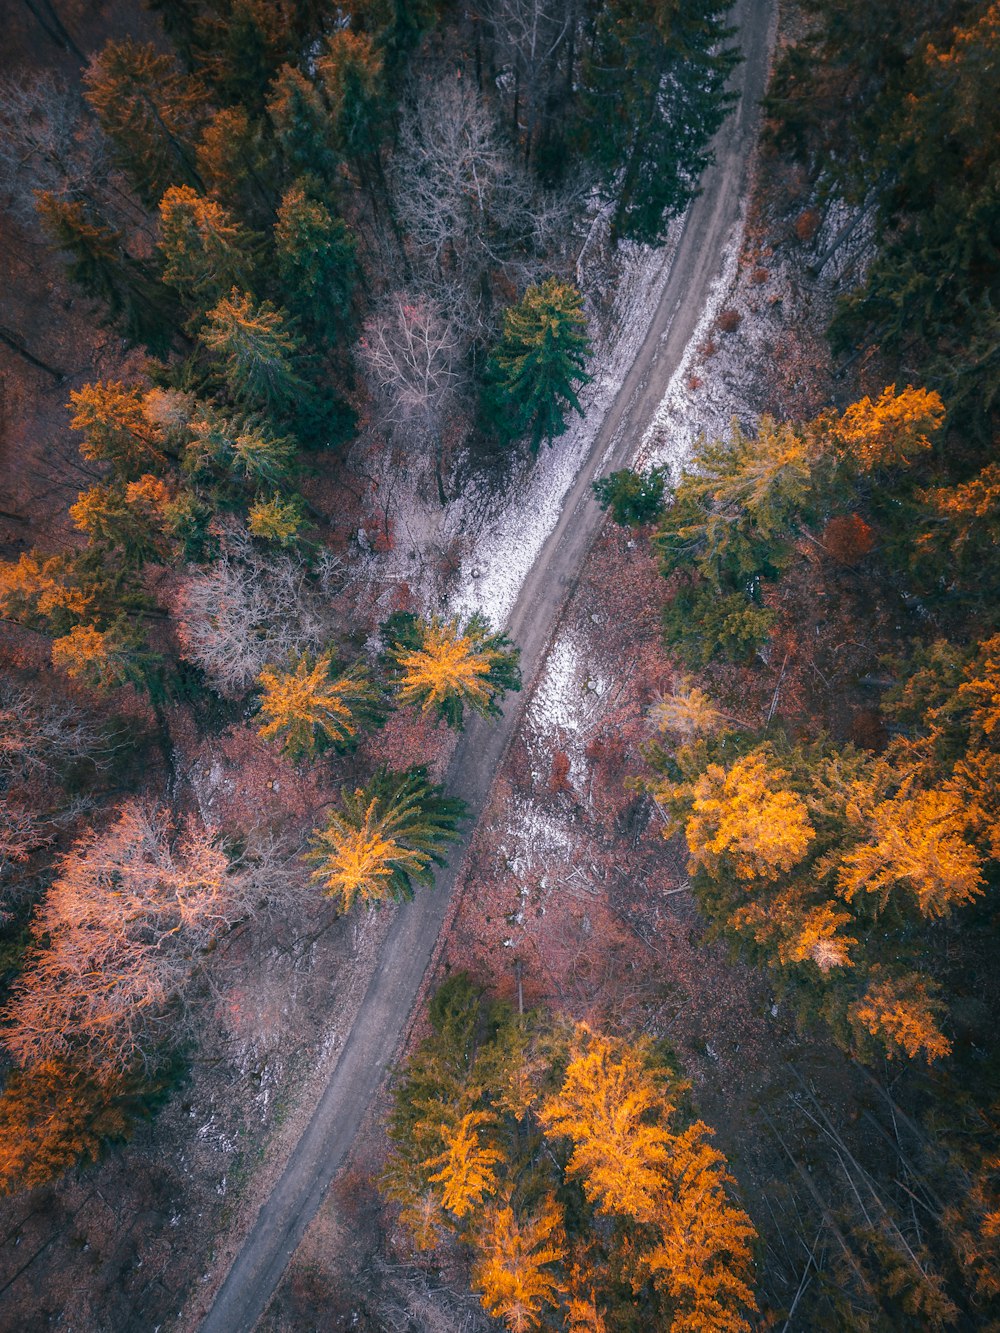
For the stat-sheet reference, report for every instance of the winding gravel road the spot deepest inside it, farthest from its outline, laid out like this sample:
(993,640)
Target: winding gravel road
(374,1038)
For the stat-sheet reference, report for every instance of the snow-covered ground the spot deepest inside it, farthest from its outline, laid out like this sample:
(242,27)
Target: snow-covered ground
(497,538)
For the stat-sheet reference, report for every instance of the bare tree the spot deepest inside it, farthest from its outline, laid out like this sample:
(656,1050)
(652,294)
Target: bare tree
(411,357)
(469,209)
(48,142)
(118,935)
(530,40)
(39,733)
(249,610)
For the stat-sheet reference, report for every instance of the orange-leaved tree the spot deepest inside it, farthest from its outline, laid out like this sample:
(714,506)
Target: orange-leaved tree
(514,1267)
(465,1168)
(385,837)
(442,666)
(314,703)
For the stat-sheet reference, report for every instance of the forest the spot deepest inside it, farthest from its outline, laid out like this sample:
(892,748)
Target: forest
(296,298)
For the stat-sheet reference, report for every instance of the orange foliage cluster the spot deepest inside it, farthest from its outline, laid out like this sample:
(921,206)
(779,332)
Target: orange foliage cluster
(487,1137)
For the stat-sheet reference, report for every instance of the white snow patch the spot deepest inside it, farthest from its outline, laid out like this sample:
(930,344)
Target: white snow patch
(508,544)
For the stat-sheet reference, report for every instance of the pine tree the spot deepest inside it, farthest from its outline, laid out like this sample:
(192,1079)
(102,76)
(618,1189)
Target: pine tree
(385,837)
(539,362)
(43,588)
(302,124)
(514,1263)
(701,1260)
(238,161)
(279,520)
(239,47)
(746,818)
(892,430)
(125,519)
(151,112)
(54,1114)
(315,703)
(901,1011)
(615,1110)
(634,499)
(104,659)
(652,96)
(316,263)
(443,665)
(255,348)
(919,842)
(205,252)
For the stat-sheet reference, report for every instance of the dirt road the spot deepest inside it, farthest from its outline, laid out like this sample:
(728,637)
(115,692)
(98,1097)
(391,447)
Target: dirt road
(374,1038)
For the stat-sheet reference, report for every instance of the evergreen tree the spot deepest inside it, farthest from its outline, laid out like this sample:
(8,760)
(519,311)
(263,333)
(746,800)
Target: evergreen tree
(302,124)
(105,659)
(316,263)
(238,161)
(255,348)
(443,665)
(151,112)
(116,428)
(54,1114)
(386,837)
(278,519)
(539,363)
(240,45)
(316,703)
(653,95)
(514,1267)
(634,499)
(205,253)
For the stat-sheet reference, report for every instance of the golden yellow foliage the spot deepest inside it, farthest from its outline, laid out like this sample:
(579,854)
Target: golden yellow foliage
(88,654)
(900,1013)
(447,663)
(917,841)
(52,1115)
(891,430)
(275,520)
(798,932)
(361,861)
(310,704)
(583,1316)
(609,1105)
(745,815)
(466,1165)
(512,1264)
(423,1217)
(702,1257)
(686,712)
(980,691)
(34,585)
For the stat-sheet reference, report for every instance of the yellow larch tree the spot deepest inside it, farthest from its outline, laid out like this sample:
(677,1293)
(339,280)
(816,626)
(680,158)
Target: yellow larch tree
(892,430)
(384,837)
(702,1259)
(610,1106)
(313,704)
(918,842)
(442,666)
(745,815)
(40,586)
(515,1263)
(901,1013)
(466,1166)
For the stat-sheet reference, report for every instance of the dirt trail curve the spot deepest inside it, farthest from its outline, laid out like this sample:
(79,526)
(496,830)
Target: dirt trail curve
(374,1037)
